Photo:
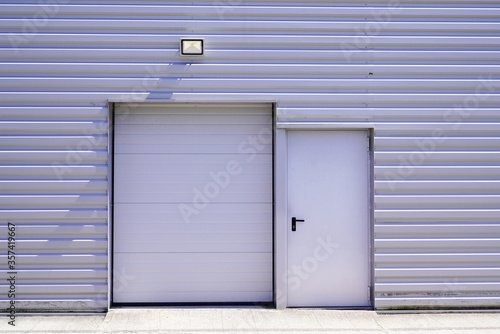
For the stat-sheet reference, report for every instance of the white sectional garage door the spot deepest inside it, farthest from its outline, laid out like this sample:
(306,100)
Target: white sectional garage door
(192,203)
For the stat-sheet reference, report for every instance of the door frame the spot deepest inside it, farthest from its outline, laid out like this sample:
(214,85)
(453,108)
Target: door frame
(281,200)
(111,104)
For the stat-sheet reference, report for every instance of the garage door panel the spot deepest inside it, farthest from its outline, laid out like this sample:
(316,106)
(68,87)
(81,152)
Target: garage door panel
(224,217)
(187,197)
(195,258)
(250,286)
(183,230)
(152,278)
(182,246)
(181,227)
(159,162)
(169,139)
(127,164)
(194,297)
(197,247)
(205,119)
(193,129)
(176,148)
(195,262)
(210,189)
(201,178)
(171,238)
(170,269)
(128,109)
(212,212)
(147,170)
(231,222)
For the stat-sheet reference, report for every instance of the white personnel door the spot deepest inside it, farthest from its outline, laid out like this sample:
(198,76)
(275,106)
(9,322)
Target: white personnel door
(192,203)
(328,188)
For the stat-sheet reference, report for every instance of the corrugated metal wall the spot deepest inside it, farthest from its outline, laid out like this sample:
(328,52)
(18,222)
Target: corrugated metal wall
(426,73)
(53,187)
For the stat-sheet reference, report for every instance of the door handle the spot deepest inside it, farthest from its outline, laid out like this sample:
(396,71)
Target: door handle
(294,223)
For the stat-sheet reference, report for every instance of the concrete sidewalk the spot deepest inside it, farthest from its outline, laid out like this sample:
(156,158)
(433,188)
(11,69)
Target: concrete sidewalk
(256,320)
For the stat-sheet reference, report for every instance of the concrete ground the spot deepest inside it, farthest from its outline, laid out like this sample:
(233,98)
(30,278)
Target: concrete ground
(255,321)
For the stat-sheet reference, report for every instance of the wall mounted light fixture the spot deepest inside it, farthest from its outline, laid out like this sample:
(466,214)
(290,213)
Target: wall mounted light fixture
(192,46)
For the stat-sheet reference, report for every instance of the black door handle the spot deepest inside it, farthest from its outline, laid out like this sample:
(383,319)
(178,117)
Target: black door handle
(294,223)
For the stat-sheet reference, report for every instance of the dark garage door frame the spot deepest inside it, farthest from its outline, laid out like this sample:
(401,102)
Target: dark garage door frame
(111,169)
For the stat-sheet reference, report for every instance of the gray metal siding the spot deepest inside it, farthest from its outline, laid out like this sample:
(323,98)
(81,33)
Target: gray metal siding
(53,187)
(425,73)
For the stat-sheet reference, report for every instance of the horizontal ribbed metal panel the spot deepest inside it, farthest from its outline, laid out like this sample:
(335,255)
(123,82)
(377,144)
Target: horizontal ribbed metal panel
(53,187)
(177,251)
(424,73)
